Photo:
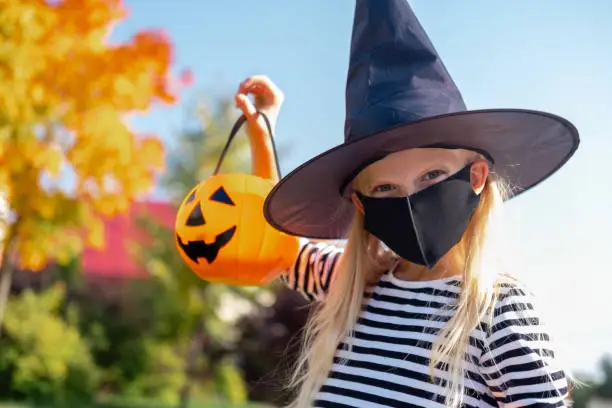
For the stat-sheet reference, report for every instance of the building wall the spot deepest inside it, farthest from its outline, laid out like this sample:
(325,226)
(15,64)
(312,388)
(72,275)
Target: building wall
(115,260)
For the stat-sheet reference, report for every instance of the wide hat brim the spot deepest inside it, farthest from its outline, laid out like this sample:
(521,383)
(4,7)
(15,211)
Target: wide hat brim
(525,148)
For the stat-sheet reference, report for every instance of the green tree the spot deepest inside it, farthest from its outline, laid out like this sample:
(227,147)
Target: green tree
(198,148)
(581,392)
(588,388)
(604,388)
(188,310)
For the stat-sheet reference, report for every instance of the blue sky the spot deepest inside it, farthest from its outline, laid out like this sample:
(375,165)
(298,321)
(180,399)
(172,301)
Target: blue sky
(553,55)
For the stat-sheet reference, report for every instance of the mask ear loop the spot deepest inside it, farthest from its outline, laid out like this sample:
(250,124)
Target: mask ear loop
(233,133)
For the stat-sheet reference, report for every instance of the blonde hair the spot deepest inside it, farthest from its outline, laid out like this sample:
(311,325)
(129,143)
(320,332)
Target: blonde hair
(335,317)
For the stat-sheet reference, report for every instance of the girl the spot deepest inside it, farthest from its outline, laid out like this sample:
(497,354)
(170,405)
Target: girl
(414,311)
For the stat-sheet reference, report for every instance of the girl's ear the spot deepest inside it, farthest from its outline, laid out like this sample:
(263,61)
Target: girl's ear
(478,175)
(357,202)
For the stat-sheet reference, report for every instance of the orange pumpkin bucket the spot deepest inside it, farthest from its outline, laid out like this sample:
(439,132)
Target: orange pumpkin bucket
(222,235)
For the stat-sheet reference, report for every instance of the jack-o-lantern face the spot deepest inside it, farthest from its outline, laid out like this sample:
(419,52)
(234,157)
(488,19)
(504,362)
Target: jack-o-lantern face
(200,249)
(222,235)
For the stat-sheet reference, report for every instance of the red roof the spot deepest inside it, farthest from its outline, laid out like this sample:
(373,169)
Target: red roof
(115,260)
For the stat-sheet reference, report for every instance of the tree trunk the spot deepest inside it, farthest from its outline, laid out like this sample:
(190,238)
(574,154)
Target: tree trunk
(191,358)
(6,278)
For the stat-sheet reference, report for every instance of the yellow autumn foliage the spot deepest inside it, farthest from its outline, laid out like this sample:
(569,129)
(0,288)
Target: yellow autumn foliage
(65,94)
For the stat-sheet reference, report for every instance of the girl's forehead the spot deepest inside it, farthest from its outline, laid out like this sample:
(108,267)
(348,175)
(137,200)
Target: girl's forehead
(416,161)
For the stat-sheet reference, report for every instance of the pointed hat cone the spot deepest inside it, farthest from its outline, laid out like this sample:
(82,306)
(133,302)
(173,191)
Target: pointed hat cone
(399,96)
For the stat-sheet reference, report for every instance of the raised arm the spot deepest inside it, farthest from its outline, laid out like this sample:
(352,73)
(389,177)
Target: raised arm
(268,99)
(313,269)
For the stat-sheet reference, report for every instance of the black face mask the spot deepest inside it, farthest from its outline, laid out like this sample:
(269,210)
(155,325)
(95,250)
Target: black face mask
(424,226)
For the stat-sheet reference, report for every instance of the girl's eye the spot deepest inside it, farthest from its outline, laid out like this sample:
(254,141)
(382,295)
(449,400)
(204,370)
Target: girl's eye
(383,188)
(433,175)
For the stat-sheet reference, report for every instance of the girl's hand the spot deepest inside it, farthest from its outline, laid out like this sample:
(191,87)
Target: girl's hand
(268,99)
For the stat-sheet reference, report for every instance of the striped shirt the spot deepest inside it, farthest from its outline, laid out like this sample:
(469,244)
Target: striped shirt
(510,362)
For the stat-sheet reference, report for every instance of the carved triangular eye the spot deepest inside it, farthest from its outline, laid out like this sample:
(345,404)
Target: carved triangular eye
(221,196)
(196,218)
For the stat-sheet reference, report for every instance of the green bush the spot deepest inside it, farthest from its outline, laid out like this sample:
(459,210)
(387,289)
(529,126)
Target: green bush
(44,357)
(231,384)
(162,376)
(126,344)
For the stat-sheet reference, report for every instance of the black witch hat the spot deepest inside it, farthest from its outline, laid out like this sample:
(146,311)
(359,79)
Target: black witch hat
(399,95)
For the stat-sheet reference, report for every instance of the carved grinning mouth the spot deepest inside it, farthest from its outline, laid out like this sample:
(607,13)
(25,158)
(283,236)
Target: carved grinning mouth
(200,249)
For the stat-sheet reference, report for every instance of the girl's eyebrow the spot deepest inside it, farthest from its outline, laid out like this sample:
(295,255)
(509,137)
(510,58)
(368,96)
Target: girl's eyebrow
(438,165)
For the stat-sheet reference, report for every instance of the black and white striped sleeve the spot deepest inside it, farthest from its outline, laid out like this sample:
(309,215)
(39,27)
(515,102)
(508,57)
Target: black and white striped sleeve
(518,362)
(313,270)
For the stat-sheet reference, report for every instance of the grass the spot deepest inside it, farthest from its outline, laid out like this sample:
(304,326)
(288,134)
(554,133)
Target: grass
(133,404)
